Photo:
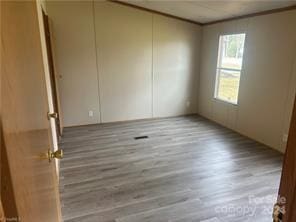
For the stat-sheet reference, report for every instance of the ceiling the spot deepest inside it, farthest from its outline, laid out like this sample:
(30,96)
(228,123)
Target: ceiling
(203,11)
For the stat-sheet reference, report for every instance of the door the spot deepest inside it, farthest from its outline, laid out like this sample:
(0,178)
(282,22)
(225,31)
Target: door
(1,212)
(53,79)
(7,195)
(287,191)
(24,103)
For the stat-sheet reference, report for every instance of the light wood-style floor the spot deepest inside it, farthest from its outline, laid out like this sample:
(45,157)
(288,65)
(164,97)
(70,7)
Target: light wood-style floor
(188,169)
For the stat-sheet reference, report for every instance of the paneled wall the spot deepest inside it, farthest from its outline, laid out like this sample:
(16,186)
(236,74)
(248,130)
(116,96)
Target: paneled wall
(124,49)
(75,51)
(268,79)
(123,63)
(175,67)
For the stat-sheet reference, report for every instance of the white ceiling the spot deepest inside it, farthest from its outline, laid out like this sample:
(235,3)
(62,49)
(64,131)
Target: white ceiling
(208,11)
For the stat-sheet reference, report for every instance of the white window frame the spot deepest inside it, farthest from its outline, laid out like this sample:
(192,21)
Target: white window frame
(218,68)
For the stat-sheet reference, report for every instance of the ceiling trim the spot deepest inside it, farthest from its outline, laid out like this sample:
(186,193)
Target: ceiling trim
(272,11)
(154,11)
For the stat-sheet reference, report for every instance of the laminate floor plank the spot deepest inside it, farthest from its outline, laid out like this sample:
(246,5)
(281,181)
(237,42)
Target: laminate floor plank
(187,169)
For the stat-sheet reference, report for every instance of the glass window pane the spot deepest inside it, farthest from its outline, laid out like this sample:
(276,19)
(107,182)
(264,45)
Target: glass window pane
(228,84)
(231,51)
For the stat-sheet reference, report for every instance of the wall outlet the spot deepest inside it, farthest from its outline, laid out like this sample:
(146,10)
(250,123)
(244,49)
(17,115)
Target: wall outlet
(188,104)
(90,113)
(285,138)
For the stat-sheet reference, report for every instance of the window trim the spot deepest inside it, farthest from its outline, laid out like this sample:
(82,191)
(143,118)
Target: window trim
(217,79)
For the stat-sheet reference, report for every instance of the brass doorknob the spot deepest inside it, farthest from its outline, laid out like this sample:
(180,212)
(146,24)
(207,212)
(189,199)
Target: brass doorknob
(52,115)
(57,154)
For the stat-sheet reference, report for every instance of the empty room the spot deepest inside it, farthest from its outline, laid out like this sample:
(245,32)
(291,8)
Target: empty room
(148,111)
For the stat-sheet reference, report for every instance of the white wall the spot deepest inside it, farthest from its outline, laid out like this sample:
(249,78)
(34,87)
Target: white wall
(123,63)
(74,38)
(268,79)
(124,49)
(175,66)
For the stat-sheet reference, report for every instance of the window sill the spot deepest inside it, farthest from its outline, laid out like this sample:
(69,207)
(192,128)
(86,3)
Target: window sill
(225,101)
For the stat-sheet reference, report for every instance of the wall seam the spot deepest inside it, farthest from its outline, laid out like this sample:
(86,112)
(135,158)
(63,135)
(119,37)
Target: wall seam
(97,64)
(152,68)
(246,30)
(199,69)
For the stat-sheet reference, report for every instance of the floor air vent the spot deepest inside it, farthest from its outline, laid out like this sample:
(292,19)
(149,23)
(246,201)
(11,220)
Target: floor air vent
(140,137)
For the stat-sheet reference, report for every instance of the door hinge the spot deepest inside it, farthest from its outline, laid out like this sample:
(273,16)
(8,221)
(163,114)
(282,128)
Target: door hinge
(52,115)
(278,213)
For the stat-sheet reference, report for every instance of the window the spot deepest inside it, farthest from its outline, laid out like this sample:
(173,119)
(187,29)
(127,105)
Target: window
(229,67)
